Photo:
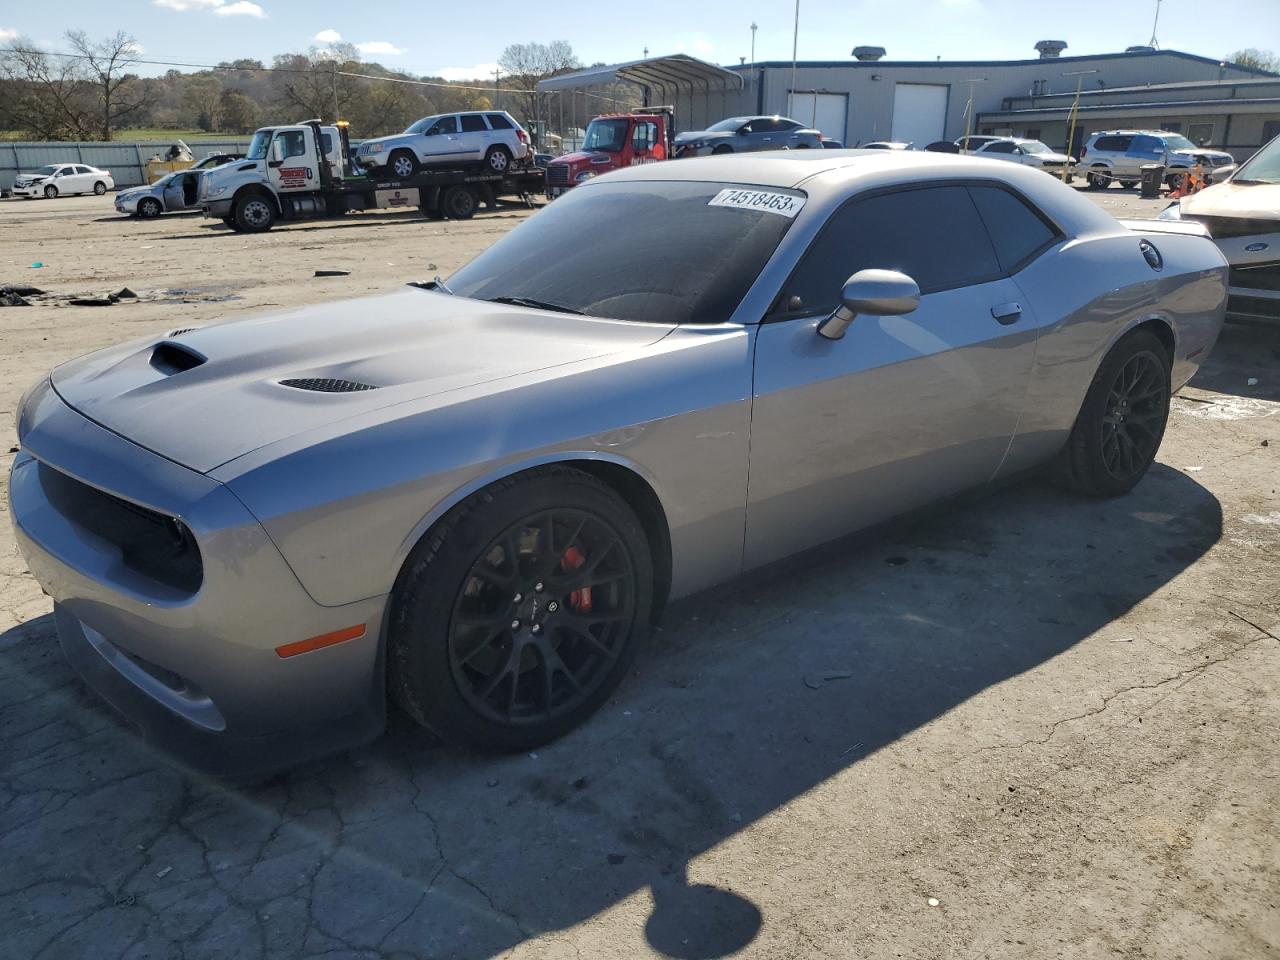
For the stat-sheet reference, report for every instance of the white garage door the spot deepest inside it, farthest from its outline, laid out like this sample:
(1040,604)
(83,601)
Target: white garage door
(826,112)
(919,112)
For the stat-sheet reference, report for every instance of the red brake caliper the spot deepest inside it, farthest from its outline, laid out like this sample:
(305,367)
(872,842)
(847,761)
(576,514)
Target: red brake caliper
(580,600)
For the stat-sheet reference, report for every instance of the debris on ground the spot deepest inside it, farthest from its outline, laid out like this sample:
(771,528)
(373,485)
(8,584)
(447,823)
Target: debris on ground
(92,302)
(124,293)
(815,680)
(333,273)
(10,299)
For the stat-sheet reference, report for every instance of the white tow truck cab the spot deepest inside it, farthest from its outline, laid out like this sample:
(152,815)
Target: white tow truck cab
(306,170)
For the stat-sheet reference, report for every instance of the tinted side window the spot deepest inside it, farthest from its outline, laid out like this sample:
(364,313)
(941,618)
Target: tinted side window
(498,122)
(1113,143)
(1146,145)
(444,125)
(472,122)
(1017,232)
(1000,146)
(83,170)
(933,235)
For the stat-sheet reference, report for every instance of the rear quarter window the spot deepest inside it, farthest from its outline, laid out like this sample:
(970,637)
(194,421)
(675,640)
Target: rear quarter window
(498,122)
(1113,143)
(1018,233)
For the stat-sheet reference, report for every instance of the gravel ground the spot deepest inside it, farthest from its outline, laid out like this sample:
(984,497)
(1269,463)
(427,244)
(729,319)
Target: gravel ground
(1021,726)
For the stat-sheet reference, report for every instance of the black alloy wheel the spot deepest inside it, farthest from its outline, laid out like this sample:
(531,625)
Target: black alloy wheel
(1133,423)
(543,615)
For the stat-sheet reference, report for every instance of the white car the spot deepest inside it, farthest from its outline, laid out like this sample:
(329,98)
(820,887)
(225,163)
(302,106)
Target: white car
(1029,153)
(491,137)
(56,179)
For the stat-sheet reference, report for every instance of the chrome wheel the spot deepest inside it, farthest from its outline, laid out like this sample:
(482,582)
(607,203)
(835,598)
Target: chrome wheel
(403,165)
(542,616)
(499,160)
(257,213)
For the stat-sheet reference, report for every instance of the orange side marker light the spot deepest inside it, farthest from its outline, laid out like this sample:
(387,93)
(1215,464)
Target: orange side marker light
(324,640)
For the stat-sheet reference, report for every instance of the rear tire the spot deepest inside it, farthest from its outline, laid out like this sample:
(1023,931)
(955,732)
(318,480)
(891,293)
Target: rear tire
(459,202)
(99,188)
(1121,422)
(497,160)
(463,655)
(402,164)
(254,213)
(1097,180)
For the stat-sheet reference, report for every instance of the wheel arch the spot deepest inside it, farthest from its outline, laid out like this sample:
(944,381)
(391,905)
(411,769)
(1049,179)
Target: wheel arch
(256,188)
(624,477)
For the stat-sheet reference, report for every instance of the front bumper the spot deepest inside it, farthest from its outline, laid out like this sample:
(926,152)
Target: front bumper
(216,208)
(1254,284)
(29,190)
(128,205)
(194,667)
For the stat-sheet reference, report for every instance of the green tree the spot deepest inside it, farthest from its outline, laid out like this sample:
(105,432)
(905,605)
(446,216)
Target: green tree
(202,100)
(239,113)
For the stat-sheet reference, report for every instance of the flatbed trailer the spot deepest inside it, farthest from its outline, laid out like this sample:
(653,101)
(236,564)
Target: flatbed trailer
(305,172)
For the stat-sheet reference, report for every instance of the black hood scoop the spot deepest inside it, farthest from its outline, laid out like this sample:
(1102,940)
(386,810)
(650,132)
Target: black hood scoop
(327,385)
(170,358)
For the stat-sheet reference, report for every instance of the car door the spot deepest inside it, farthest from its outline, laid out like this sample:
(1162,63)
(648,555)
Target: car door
(902,410)
(474,136)
(173,192)
(84,179)
(291,167)
(440,140)
(1143,149)
(764,135)
(65,180)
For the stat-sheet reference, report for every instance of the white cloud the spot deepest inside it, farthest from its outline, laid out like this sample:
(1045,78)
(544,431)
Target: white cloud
(328,36)
(8,33)
(239,8)
(480,71)
(379,47)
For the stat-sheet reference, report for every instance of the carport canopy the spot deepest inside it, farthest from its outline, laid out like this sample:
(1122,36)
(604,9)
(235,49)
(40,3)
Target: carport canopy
(670,75)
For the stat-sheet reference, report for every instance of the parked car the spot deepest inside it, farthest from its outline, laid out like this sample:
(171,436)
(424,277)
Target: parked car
(885,145)
(172,192)
(829,144)
(492,137)
(974,142)
(746,134)
(478,494)
(1119,155)
(1243,216)
(56,179)
(1029,153)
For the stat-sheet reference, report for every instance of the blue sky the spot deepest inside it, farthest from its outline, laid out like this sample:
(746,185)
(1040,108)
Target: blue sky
(431,38)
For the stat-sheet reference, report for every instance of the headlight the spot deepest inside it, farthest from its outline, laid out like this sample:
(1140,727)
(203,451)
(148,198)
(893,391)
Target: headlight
(212,192)
(1172,212)
(697,145)
(375,148)
(584,176)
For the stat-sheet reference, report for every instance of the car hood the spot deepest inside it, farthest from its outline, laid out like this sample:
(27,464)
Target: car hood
(1191,156)
(388,139)
(1252,201)
(33,177)
(583,156)
(395,348)
(1055,158)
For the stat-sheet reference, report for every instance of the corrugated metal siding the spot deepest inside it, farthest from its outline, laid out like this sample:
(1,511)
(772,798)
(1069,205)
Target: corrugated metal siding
(125,159)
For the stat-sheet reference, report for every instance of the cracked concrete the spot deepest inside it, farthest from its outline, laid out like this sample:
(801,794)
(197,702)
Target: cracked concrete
(1057,719)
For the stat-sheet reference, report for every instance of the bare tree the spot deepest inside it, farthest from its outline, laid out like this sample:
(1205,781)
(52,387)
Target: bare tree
(120,95)
(1257,59)
(47,97)
(524,64)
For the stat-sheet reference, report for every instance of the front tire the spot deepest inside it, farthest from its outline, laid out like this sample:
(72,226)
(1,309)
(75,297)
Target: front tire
(254,213)
(402,164)
(50,192)
(723,148)
(149,208)
(517,616)
(1122,420)
(497,160)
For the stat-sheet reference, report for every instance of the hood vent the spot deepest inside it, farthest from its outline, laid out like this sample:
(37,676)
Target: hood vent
(181,331)
(170,358)
(327,385)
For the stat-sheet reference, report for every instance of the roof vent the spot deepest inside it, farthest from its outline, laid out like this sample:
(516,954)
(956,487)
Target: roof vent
(327,385)
(1051,49)
(1140,48)
(868,53)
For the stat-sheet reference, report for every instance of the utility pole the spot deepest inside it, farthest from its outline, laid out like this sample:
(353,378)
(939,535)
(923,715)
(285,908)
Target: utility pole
(497,90)
(336,115)
(753,41)
(968,110)
(795,45)
(1075,113)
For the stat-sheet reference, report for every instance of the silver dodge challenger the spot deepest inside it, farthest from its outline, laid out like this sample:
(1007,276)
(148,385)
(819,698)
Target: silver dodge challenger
(475,495)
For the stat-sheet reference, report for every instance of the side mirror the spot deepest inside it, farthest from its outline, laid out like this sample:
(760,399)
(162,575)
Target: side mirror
(277,151)
(877,293)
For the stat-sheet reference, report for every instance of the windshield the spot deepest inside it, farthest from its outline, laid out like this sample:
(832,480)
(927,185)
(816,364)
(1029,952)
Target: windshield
(421,125)
(1034,146)
(258,145)
(606,135)
(1178,142)
(651,251)
(733,123)
(1262,167)
(48,170)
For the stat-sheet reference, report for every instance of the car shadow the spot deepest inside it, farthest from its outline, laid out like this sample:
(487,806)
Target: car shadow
(1244,352)
(747,698)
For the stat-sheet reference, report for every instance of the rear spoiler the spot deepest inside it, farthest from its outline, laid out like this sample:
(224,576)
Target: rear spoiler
(1187,228)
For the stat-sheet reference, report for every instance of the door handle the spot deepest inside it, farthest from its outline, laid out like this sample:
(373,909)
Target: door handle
(1007,313)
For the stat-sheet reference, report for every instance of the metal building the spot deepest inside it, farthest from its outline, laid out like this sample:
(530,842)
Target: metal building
(870,98)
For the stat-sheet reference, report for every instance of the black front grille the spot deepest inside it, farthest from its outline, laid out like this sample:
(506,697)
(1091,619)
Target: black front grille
(1220,228)
(1253,308)
(152,544)
(558,173)
(1262,276)
(327,385)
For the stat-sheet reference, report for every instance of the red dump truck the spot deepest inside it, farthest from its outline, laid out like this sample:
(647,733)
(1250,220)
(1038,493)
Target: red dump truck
(613,141)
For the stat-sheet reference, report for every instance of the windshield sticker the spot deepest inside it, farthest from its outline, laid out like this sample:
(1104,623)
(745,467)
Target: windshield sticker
(784,204)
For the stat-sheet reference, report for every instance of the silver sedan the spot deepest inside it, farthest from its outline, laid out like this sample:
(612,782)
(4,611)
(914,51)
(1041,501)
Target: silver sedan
(172,192)
(478,495)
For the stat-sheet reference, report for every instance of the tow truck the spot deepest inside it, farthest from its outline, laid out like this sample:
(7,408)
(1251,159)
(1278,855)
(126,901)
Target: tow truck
(305,171)
(613,141)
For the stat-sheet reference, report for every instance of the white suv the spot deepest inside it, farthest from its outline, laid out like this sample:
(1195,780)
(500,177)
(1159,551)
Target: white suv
(1121,154)
(491,137)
